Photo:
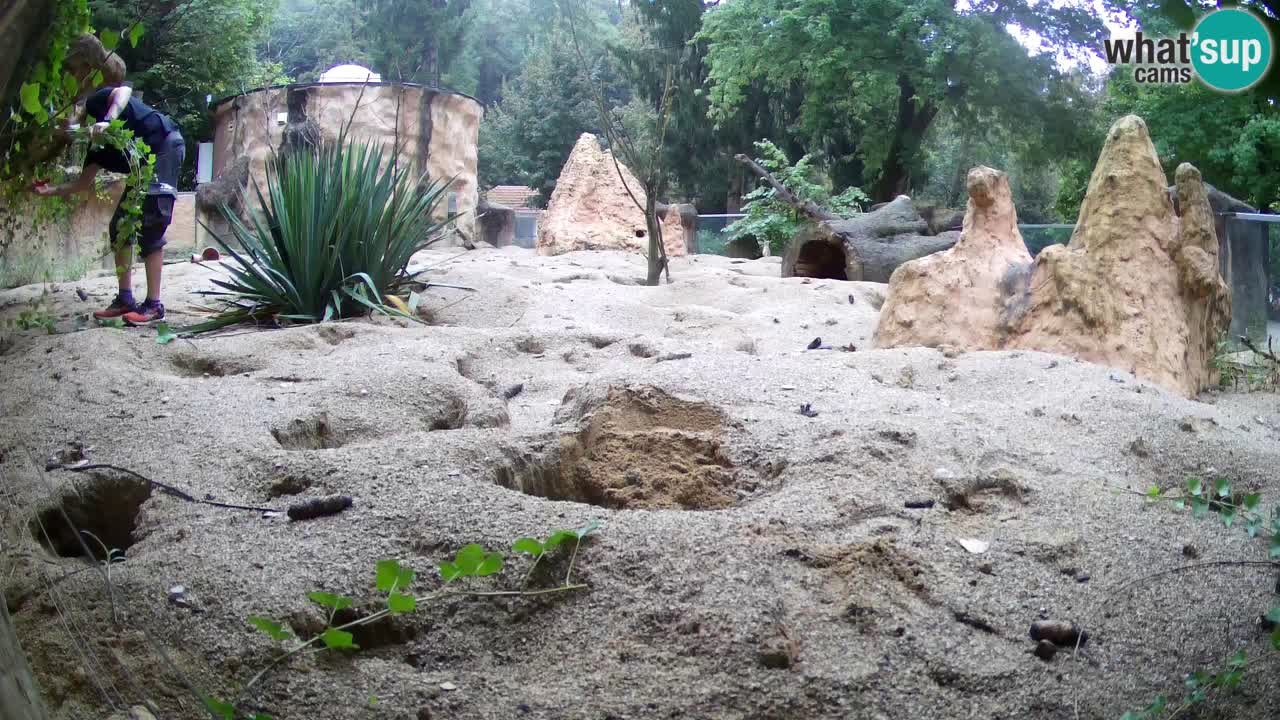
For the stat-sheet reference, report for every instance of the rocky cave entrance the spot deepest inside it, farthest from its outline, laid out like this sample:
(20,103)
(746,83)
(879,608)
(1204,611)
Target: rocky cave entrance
(641,449)
(821,259)
(107,507)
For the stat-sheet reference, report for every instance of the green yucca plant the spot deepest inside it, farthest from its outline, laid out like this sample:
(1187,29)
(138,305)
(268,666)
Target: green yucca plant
(332,239)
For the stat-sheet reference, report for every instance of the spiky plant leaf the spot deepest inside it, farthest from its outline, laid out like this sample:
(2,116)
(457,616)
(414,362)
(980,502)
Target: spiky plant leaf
(337,226)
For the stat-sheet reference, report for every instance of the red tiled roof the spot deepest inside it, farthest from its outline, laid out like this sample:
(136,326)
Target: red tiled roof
(513,196)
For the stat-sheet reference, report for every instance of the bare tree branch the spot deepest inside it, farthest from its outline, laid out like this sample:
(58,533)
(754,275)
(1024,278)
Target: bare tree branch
(809,208)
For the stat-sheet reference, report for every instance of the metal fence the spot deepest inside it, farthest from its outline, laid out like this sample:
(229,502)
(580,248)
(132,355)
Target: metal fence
(1250,255)
(526,234)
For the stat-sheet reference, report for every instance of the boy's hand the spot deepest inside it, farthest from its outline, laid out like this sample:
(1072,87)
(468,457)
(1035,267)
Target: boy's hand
(44,189)
(98,128)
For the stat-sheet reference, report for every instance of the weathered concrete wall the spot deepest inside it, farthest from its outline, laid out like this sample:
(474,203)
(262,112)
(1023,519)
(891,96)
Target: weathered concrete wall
(19,699)
(435,132)
(62,250)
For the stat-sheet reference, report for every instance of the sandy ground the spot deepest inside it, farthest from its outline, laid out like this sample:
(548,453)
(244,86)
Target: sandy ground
(755,562)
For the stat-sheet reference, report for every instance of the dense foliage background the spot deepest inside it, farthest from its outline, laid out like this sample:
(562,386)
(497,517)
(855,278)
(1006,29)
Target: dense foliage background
(887,96)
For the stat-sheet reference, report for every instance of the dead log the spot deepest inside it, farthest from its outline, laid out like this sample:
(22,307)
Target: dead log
(867,247)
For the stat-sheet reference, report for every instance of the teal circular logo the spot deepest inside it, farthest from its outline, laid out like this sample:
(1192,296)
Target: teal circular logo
(1231,50)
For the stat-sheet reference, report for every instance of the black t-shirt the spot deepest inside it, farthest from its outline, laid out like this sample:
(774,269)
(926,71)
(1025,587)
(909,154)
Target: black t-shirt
(145,121)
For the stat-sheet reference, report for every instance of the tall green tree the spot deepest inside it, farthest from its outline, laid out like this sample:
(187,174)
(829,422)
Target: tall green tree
(415,40)
(501,35)
(526,138)
(664,33)
(308,37)
(865,79)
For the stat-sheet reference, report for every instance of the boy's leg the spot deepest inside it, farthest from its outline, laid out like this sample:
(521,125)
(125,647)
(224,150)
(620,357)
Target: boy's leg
(157,213)
(123,257)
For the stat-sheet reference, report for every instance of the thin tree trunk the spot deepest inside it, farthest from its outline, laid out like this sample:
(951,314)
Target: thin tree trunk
(657,251)
(895,173)
(733,200)
(957,190)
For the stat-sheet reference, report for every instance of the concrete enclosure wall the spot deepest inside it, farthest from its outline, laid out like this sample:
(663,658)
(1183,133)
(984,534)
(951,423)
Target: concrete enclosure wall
(64,250)
(436,132)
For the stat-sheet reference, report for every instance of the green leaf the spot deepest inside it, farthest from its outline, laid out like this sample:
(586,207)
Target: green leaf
(70,86)
(1251,501)
(469,559)
(1194,486)
(492,564)
(224,710)
(1222,487)
(1199,508)
(110,39)
(136,33)
(165,334)
(388,575)
(1180,504)
(1239,661)
(336,639)
(529,546)
(1153,492)
(587,529)
(449,572)
(329,600)
(406,577)
(30,95)
(1197,679)
(272,628)
(1274,615)
(1228,516)
(96,78)
(558,537)
(398,602)
(1253,526)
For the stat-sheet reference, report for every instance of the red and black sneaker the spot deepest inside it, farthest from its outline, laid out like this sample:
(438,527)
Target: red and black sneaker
(118,308)
(148,312)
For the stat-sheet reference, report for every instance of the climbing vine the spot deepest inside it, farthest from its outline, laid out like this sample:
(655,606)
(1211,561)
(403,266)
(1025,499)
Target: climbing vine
(35,136)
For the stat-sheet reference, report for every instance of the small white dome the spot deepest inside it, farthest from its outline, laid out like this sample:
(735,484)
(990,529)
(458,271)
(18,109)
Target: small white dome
(349,74)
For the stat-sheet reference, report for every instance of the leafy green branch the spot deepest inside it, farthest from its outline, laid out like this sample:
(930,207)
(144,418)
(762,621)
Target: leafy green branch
(34,135)
(392,581)
(1234,509)
(771,221)
(1200,686)
(1243,510)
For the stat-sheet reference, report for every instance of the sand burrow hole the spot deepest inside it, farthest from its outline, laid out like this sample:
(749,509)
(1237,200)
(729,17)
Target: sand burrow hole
(104,504)
(821,259)
(317,432)
(641,448)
